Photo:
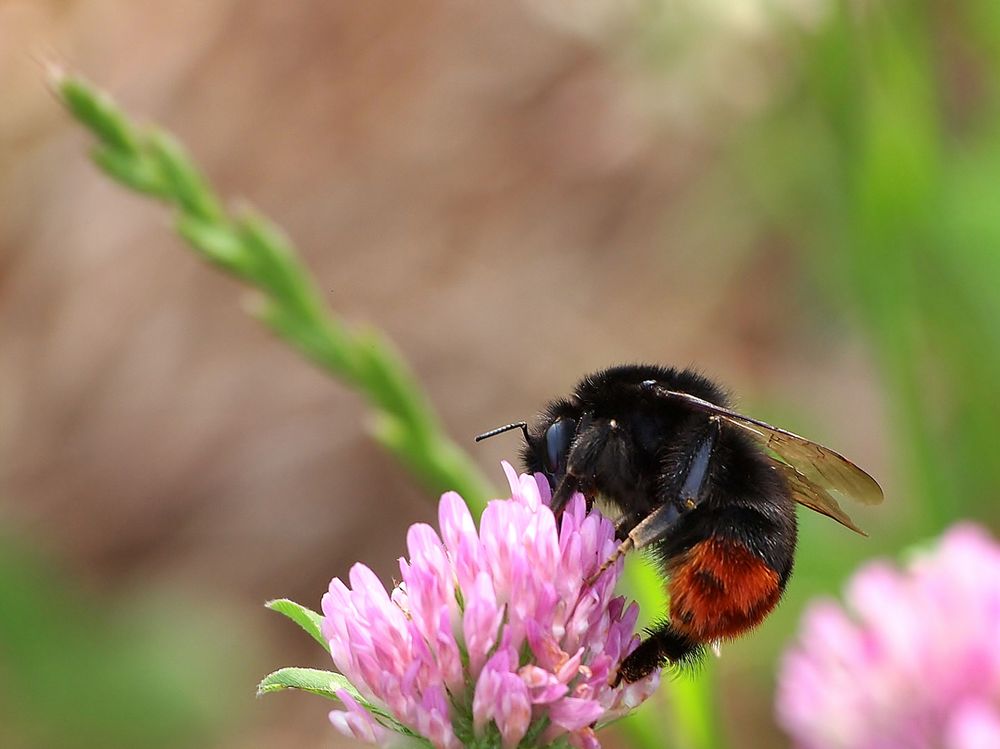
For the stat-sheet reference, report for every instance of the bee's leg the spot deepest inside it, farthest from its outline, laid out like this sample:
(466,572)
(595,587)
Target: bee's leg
(564,490)
(693,486)
(664,645)
(591,437)
(654,526)
(626,523)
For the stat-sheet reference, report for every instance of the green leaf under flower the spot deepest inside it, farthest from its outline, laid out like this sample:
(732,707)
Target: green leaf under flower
(324,683)
(309,620)
(327,684)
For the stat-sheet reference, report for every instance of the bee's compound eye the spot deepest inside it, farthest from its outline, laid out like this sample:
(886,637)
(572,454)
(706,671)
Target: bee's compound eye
(557,440)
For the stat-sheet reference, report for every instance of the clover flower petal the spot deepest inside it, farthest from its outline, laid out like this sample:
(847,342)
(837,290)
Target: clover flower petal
(913,663)
(491,632)
(356,722)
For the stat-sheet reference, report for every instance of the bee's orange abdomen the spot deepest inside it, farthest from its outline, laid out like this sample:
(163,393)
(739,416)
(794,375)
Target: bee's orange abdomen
(720,589)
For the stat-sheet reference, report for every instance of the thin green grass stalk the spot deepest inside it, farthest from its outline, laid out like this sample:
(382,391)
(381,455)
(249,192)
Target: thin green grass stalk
(683,714)
(248,246)
(251,248)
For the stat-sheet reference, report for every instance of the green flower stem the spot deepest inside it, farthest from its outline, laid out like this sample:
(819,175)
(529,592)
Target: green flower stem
(250,247)
(683,713)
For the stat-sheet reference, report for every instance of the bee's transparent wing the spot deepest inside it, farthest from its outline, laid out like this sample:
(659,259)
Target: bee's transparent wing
(811,470)
(814,497)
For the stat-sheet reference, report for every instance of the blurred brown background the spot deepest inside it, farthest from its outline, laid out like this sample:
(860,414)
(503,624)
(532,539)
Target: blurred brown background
(516,192)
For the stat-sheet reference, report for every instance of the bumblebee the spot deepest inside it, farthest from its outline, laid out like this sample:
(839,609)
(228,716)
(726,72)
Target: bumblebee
(710,492)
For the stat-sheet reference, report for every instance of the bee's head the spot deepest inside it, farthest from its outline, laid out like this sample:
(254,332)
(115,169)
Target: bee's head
(547,447)
(547,443)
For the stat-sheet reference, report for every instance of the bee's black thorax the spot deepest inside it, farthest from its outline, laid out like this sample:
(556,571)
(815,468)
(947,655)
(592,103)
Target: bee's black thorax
(622,434)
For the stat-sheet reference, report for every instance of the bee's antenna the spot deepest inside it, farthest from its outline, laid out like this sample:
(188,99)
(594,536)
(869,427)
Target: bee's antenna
(522,425)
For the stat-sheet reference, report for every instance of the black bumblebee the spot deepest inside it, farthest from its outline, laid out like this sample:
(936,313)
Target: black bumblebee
(710,491)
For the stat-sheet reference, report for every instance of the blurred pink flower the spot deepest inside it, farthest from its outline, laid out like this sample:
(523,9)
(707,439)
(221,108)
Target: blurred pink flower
(917,666)
(491,633)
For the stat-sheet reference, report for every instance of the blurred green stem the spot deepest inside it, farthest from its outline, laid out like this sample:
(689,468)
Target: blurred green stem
(247,245)
(687,698)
